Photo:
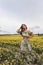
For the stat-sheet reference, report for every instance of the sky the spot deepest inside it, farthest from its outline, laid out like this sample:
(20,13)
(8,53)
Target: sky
(13,13)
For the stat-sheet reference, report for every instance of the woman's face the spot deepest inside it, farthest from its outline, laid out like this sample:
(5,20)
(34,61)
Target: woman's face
(24,27)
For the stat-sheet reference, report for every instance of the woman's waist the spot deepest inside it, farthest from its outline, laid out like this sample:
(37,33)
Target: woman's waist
(24,37)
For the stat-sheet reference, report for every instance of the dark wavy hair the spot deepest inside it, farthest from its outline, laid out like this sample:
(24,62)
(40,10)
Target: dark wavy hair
(22,28)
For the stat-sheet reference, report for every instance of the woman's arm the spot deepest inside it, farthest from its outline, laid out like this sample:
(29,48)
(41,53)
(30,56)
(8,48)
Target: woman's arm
(31,33)
(18,30)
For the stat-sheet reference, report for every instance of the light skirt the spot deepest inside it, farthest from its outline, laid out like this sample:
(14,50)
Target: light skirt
(25,46)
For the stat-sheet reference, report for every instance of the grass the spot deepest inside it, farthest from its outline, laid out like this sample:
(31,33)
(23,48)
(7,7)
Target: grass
(9,45)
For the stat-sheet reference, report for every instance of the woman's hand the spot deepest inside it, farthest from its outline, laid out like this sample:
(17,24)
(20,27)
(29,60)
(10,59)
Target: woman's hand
(18,30)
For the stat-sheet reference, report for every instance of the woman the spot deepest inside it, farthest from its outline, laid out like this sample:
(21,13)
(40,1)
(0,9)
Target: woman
(26,34)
